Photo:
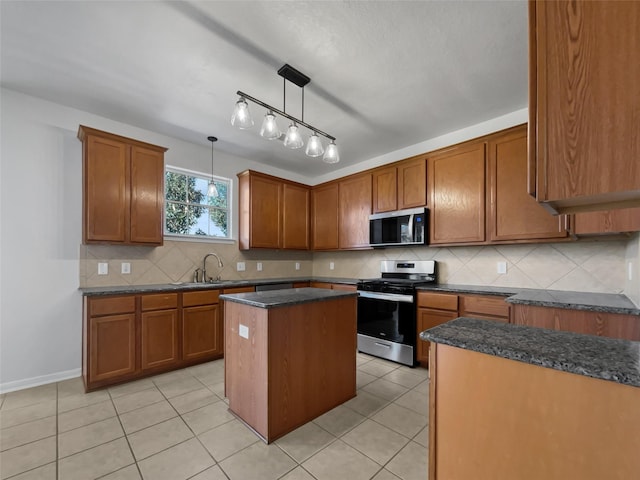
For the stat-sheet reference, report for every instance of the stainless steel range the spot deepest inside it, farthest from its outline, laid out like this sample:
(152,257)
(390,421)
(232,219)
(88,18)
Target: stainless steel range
(387,309)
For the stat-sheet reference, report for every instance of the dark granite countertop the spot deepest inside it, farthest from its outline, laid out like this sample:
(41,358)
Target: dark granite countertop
(594,302)
(598,357)
(286,298)
(182,286)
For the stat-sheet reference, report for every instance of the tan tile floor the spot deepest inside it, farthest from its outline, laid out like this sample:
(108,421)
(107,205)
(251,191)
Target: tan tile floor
(177,426)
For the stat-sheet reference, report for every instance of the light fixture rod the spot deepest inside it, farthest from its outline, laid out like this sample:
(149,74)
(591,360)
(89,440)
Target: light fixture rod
(286,115)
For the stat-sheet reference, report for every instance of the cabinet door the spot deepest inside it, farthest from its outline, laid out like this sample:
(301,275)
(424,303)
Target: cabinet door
(412,183)
(607,221)
(385,190)
(159,339)
(112,347)
(354,210)
(265,213)
(428,318)
(147,196)
(324,217)
(585,102)
(457,185)
(106,180)
(201,332)
(295,217)
(514,214)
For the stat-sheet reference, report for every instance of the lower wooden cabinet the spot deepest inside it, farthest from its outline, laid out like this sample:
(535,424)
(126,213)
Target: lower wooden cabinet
(429,318)
(334,286)
(131,336)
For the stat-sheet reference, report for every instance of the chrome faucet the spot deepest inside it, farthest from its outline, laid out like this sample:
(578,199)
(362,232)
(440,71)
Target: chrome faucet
(204,265)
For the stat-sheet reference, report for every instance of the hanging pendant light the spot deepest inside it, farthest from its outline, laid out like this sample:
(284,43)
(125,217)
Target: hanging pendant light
(314,146)
(270,129)
(212,191)
(331,154)
(241,117)
(293,139)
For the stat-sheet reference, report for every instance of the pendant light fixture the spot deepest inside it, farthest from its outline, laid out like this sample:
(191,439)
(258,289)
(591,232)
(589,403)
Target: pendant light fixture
(241,118)
(212,191)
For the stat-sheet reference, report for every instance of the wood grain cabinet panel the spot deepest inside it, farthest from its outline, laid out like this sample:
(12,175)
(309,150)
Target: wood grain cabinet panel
(385,190)
(606,222)
(324,217)
(584,104)
(456,180)
(112,346)
(123,189)
(201,332)
(429,318)
(159,339)
(412,183)
(354,208)
(295,217)
(484,307)
(513,213)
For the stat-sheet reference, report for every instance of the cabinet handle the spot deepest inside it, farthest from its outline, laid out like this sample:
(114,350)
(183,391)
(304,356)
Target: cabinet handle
(382,345)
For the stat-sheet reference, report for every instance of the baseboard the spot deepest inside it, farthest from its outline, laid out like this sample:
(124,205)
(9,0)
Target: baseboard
(36,381)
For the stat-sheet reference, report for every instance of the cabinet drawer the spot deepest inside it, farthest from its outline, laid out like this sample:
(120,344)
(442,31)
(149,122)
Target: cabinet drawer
(111,305)
(300,284)
(160,301)
(239,290)
(440,301)
(494,306)
(202,297)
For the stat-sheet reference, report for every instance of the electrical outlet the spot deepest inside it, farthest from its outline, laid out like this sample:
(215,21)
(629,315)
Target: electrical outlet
(103,268)
(630,270)
(240,266)
(125,268)
(332,265)
(243,331)
(502,267)
(259,266)
(297,265)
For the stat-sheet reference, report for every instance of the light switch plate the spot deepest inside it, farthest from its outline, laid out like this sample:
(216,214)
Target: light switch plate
(243,331)
(240,267)
(103,268)
(259,266)
(502,267)
(125,268)
(331,265)
(297,265)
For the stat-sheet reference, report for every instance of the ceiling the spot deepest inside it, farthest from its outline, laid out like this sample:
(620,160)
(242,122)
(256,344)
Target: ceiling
(384,74)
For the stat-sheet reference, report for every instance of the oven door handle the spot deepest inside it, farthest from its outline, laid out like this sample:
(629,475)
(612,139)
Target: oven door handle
(391,297)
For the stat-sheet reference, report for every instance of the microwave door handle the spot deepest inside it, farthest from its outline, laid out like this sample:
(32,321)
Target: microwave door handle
(410,229)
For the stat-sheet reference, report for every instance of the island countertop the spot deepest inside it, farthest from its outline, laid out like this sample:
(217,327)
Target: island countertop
(287,297)
(598,357)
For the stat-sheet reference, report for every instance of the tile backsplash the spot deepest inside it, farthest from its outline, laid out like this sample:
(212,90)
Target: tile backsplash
(595,266)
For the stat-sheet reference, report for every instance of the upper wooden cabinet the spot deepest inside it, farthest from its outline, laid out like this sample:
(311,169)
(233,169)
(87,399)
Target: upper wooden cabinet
(324,217)
(403,185)
(607,222)
(274,213)
(584,104)
(456,179)
(123,189)
(354,208)
(513,214)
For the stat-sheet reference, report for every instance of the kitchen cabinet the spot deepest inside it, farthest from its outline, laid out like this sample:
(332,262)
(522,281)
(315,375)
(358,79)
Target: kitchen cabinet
(159,331)
(579,321)
(485,307)
(433,309)
(274,213)
(354,208)
(606,222)
(324,217)
(456,184)
(334,286)
(123,189)
(400,186)
(513,215)
(109,350)
(201,326)
(584,99)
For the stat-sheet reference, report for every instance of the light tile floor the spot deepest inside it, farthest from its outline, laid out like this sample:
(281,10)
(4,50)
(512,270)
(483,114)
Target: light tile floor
(177,426)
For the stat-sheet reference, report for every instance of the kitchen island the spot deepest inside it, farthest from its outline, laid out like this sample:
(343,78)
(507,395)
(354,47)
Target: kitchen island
(515,402)
(290,356)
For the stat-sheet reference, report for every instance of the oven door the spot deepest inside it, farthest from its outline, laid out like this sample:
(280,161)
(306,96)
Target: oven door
(387,316)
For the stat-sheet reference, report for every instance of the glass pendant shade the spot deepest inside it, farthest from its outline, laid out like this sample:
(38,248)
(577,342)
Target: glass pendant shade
(314,146)
(331,154)
(212,191)
(241,117)
(293,139)
(270,129)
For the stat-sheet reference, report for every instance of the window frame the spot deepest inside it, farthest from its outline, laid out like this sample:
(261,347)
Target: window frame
(199,238)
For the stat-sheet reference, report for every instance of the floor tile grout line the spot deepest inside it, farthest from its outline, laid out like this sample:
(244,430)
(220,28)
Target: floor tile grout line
(126,438)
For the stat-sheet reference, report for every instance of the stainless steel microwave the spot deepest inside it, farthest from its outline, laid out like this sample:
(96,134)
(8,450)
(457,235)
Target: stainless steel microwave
(402,227)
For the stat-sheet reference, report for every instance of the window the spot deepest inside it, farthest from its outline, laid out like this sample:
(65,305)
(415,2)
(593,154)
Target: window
(190,211)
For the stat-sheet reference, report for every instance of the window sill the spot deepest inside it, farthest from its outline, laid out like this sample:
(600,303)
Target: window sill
(190,238)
